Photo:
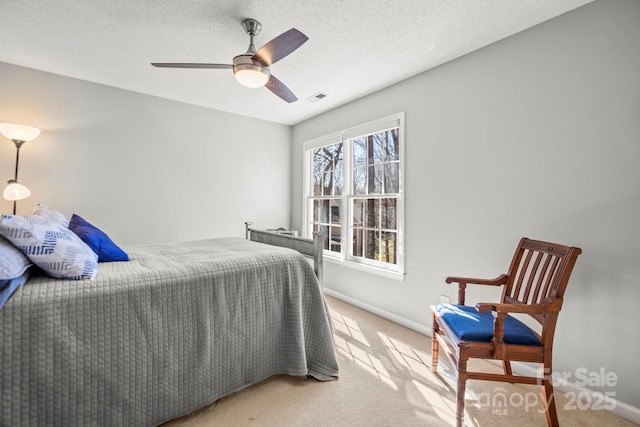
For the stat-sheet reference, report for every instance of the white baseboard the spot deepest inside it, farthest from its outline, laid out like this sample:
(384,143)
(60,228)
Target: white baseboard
(424,330)
(616,407)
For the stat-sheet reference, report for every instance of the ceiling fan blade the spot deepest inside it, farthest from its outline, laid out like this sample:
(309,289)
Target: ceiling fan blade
(189,65)
(280,47)
(277,87)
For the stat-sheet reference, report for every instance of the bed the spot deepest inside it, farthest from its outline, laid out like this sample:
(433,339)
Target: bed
(177,327)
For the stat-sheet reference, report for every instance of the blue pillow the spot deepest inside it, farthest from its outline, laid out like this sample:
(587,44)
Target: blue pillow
(97,240)
(8,287)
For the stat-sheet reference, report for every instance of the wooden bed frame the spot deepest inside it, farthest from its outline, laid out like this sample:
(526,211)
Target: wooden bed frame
(310,247)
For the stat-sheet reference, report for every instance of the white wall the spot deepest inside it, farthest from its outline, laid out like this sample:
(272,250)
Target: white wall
(143,169)
(537,135)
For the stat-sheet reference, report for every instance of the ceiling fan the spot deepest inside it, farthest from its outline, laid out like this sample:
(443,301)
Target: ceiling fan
(251,68)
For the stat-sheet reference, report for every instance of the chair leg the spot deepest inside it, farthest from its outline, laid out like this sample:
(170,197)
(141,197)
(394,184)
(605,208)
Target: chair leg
(506,364)
(434,345)
(462,383)
(549,398)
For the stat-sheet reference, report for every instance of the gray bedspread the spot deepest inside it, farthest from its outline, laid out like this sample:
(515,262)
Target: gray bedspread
(152,339)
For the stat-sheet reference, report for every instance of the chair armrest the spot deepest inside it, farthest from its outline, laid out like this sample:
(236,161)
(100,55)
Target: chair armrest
(464,281)
(547,306)
(498,281)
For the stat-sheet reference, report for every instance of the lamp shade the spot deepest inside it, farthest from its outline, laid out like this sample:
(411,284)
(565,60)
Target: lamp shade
(16,132)
(15,191)
(251,76)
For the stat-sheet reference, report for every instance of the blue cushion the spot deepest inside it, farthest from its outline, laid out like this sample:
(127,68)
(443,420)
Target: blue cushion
(97,240)
(471,325)
(8,287)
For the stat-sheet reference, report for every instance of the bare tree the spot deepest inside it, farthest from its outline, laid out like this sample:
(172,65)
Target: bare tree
(371,187)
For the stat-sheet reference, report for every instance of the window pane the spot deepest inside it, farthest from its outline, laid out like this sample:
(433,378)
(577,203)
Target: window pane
(358,240)
(371,213)
(321,211)
(335,211)
(371,244)
(334,152)
(337,182)
(391,178)
(370,186)
(388,213)
(376,176)
(387,247)
(337,160)
(359,152)
(336,239)
(324,229)
(358,212)
(391,144)
(317,184)
(320,160)
(360,180)
(327,184)
(316,161)
(378,146)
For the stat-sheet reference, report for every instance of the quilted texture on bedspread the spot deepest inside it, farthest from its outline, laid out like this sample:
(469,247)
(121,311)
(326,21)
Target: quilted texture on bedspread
(172,330)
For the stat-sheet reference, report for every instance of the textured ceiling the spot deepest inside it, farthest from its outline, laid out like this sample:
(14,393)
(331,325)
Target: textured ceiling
(355,47)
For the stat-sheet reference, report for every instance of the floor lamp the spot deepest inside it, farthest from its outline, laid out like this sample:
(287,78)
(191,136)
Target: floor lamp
(19,134)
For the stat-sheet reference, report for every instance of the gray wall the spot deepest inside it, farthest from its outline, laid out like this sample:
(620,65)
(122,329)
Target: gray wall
(537,135)
(142,168)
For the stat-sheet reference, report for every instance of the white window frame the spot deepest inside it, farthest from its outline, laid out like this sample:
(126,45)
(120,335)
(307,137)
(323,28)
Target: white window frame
(394,271)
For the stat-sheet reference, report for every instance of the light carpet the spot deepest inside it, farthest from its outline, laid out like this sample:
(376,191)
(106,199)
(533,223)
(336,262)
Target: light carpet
(385,380)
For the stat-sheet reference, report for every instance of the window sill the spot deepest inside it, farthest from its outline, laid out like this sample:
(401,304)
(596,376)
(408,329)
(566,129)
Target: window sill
(395,275)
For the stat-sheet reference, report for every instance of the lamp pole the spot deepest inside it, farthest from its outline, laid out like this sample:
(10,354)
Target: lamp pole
(18,145)
(19,134)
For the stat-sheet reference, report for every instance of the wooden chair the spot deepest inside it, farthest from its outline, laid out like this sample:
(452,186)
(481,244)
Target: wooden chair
(534,285)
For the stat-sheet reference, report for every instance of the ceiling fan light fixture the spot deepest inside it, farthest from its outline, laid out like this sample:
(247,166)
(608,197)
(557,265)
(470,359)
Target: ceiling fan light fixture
(250,73)
(252,76)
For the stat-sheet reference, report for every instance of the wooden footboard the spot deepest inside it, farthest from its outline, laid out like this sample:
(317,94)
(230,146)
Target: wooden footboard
(309,247)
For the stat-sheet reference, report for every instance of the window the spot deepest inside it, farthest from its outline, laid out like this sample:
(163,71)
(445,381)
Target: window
(354,195)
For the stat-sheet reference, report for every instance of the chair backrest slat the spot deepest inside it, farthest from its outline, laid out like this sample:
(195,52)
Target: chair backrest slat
(537,296)
(522,273)
(553,268)
(534,273)
(539,270)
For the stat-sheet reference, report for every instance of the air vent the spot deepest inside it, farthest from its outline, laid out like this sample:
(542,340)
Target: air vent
(317,97)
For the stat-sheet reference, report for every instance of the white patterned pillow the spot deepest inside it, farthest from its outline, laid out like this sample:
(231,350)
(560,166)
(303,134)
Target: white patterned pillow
(51,214)
(12,261)
(52,247)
